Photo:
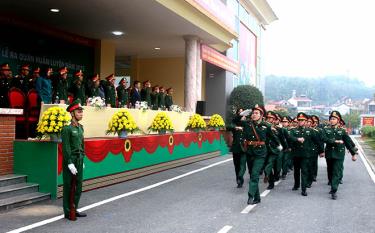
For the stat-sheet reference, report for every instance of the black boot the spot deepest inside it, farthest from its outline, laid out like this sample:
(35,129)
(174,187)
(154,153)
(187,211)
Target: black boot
(81,214)
(271,186)
(334,196)
(304,193)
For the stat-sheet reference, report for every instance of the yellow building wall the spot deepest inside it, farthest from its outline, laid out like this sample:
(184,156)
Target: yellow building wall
(167,72)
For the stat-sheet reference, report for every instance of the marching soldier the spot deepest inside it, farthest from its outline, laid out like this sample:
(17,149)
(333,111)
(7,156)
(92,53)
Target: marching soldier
(78,87)
(61,93)
(239,157)
(110,91)
(169,98)
(146,92)
(336,140)
(44,87)
(256,133)
(304,141)
(314,163)
(73,154)
(5,75)
(122,93)
(287,163)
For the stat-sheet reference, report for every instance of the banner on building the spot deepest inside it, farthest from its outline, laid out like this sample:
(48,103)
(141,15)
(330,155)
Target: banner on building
(212,56)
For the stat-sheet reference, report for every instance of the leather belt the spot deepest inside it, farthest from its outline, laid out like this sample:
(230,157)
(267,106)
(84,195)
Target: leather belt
(255,143)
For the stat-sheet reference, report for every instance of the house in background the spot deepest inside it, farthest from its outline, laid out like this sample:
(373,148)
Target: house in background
(302,102)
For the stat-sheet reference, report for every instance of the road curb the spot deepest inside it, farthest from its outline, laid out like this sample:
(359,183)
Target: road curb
(365,159)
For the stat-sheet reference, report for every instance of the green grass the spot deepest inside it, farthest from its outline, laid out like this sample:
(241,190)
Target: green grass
(370,142)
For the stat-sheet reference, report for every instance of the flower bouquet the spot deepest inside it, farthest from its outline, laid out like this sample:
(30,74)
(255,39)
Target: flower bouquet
(52,122)
(122,123)
(216,122)
(196,123)
(96,102)
(161,123)
(175,108)
(143,105)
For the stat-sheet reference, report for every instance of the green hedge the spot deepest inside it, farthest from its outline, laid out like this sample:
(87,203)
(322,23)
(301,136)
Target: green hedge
(368,131)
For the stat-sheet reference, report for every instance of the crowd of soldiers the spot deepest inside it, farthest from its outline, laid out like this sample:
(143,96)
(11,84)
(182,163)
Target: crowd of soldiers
(275,145)
(53,88)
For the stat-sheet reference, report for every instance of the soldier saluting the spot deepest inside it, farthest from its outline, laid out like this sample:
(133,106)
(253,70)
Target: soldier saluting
(73,153)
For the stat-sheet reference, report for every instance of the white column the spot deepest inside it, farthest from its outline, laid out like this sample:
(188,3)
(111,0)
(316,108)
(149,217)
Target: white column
(190,72)
(199,72)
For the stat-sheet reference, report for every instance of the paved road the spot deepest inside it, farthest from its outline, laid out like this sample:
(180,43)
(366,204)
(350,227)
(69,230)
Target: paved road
(207,201)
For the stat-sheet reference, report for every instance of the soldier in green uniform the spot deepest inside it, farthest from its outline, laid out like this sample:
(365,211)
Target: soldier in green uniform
(169,98)
(336,140)
(24,78)
(5,74)
(304,141)
(239,157)
(155,98)
(110,91)
(122,93)
(146,92)
(272,169)
(73,153)
(31,83)
(161,98)
(286,153)
(314,162)
(95,89)
(78,87)
(256,133)
(61,93)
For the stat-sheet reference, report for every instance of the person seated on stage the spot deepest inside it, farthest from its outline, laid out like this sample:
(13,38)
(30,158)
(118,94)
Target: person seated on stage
(135,94)
(32,79)
(61,92)
(78,88)
(5,75)
(110,91)
(44,87)
(155,98)
(168,98)
(122,93)
(146,92)
(161,98)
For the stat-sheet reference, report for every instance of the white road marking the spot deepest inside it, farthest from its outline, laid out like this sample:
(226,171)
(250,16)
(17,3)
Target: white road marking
(225,229)
(54,219)
(364,160)
(265,193)
(278,182)
(248,209)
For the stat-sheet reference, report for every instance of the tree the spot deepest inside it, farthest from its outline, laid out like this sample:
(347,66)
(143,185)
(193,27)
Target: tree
(243,96)
(352,119)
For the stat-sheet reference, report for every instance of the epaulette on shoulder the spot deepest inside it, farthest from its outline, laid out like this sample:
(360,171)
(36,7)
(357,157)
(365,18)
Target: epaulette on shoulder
(316,130)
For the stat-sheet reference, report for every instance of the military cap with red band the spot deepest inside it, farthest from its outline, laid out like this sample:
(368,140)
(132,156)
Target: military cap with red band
(25,67)
(259,108)
(78,73)
(302,116)
(76,104)
(5,66)
(110,77)
(95,78)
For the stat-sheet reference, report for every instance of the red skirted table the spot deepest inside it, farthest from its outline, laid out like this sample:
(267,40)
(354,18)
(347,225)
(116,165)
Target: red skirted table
(113,160)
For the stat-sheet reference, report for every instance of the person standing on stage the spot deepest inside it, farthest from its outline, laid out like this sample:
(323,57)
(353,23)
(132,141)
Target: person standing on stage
(31,83)
(5,77)
(95,88)
(122,93)
(110,91)
(154,98)
(146,92)
(336,140)
(61,92)
(24,78)
(73,154)
(78,87)
(44,87)
(161,98)
(169,98)
(136,93)
(256,134)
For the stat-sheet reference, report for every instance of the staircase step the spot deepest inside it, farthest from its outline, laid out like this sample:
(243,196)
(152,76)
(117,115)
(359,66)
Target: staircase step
(12,179)
(17,189)
(22,200)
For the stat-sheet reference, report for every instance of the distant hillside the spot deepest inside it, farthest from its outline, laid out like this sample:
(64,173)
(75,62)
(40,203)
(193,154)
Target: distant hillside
(326,90)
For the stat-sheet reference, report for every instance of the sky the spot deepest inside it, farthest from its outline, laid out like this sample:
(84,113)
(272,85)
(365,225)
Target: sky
(315,38)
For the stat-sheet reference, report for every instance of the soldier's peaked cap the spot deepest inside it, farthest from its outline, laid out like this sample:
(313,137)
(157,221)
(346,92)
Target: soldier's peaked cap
(259,108)
(76,104)
(335,114)
(302,116)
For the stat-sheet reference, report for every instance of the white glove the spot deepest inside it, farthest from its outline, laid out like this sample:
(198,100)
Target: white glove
(72,169)
(280,147)
(83,165)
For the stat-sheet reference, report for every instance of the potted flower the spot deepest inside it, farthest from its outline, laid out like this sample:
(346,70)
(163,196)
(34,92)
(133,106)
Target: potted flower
(175,108)
(122,123)
(161,124)
(216,122)
(52,122)
(196,123)
(96,102)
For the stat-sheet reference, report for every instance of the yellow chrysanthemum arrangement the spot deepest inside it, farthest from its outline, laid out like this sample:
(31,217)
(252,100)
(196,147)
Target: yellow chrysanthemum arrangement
(52,121)
(196,123)
(122,121)
(216,121)
(161,123)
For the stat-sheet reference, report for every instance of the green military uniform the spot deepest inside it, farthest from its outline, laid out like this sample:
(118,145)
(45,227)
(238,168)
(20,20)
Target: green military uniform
(123,96)
(146,95)
(73,153)
(168,101)
(285,160)
(239,157)
(110,95)
(302,152)
(161,100)
(155,101)
(335,152)
(256,134)
(62,90)
(78,91)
